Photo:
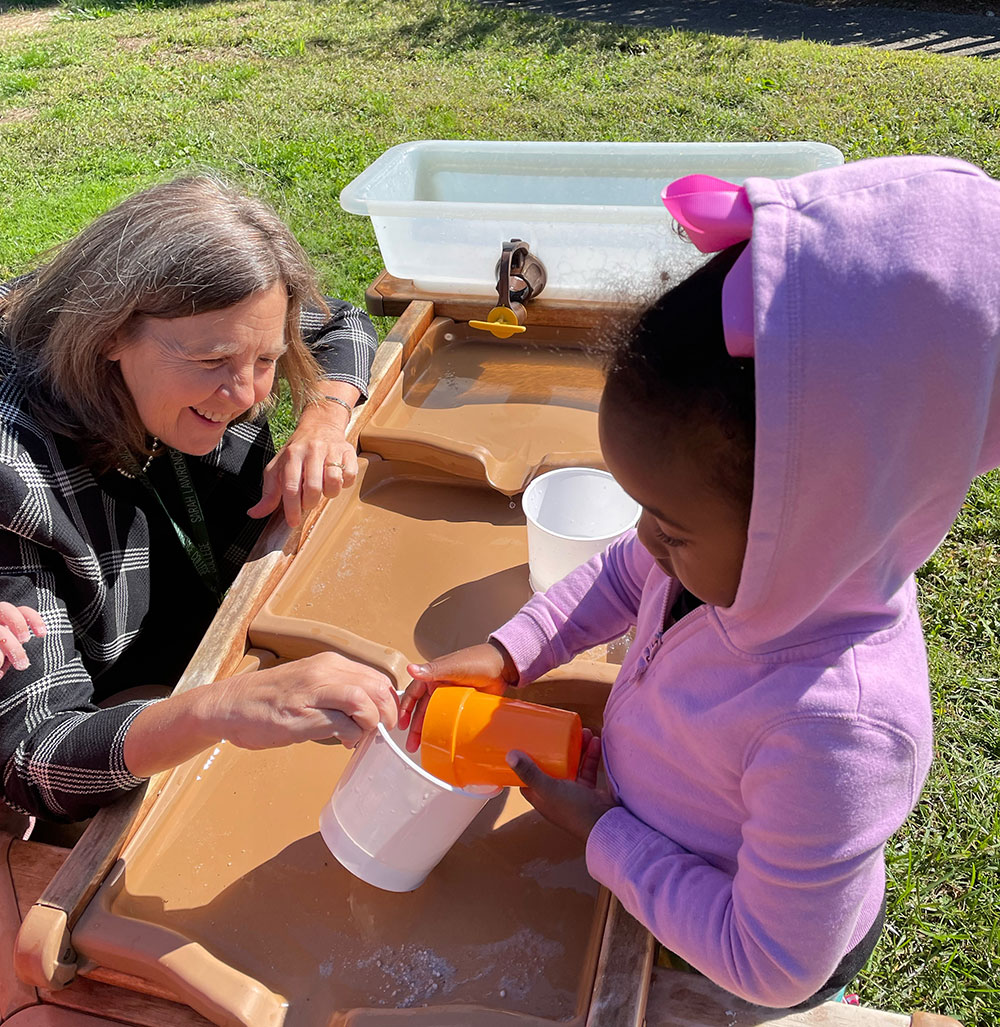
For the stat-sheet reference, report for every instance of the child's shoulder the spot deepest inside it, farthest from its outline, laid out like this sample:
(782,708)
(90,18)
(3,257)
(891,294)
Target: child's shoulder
(877,685)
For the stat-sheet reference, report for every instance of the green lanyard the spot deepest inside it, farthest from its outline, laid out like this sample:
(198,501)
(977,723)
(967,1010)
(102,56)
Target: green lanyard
(198,548)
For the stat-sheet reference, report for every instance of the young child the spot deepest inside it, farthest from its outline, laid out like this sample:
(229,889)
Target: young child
(800,421)
(17,625)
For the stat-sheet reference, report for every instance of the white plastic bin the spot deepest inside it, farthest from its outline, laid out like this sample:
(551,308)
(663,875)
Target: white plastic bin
(591,212)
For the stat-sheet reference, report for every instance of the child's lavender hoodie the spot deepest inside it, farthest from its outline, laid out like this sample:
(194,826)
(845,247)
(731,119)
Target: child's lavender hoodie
(763,753)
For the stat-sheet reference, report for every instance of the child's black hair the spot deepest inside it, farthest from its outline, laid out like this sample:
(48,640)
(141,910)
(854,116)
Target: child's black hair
(671,366)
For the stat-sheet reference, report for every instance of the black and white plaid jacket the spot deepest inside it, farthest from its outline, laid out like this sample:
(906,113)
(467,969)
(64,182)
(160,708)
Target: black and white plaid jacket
(95,555)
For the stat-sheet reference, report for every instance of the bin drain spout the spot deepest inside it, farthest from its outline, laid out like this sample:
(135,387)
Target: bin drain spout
(520,276)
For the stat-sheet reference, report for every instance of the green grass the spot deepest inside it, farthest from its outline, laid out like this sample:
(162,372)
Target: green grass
(295,98)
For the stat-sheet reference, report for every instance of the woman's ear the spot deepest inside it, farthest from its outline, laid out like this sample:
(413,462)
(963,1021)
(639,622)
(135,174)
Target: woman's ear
(117,346)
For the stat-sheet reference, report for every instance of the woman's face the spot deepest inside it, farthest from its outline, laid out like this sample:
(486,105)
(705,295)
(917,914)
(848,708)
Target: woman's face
(190,376)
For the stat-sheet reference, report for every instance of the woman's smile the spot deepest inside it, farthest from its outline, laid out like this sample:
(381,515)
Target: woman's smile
(213,418)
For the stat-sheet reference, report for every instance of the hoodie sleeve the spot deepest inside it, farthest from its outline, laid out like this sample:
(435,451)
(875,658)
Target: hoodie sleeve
(596,603)
(823,793)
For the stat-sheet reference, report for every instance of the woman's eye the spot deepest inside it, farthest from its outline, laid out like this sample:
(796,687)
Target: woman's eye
(267,361)
(212,362)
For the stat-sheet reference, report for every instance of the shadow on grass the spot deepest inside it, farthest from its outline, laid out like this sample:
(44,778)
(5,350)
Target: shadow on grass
(895,29)
(456,31)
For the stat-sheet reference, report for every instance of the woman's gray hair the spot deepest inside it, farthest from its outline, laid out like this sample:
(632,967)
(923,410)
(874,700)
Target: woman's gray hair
(179,248)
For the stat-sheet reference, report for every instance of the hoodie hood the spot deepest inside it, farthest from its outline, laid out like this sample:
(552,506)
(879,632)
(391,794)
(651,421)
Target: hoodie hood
(876,323)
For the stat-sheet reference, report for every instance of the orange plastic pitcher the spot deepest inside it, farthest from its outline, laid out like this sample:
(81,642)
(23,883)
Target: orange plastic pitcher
(467,735)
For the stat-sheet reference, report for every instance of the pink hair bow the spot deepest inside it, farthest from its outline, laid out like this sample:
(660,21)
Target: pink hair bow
(717,214)
(714,213)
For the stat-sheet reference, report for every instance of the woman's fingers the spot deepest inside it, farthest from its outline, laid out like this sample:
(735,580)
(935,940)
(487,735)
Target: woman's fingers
(270,492)
(350,472)
(291,486)
(340,469)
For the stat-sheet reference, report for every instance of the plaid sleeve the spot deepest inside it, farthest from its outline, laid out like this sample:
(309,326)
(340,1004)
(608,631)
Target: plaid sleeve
(344,343)
(62,757)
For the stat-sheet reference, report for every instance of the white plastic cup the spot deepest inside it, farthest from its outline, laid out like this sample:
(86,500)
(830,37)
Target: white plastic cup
(388,821)
(573,513)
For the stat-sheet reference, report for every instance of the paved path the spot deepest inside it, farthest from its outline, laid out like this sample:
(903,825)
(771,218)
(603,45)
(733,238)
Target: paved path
(967,35)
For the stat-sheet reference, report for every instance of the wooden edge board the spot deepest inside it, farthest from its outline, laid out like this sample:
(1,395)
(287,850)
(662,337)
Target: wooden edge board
(390,296)
(621,983)
(110,1000)
(680,998)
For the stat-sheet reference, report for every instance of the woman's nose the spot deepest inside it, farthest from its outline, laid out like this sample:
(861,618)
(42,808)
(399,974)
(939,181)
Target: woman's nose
(238,388)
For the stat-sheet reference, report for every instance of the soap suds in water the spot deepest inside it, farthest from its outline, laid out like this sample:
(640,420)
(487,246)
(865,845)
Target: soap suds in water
(413,975)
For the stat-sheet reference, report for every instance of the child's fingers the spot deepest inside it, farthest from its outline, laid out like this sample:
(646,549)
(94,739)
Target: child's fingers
(416,726)
(13,619)
(526,769)
(12,649)
(590,761)
(35,622)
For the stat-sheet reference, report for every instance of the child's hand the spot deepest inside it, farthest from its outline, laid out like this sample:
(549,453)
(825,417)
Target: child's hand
(487,667)
(575,806)
(17,624)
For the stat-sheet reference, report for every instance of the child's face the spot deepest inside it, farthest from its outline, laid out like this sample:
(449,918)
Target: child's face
(694,532)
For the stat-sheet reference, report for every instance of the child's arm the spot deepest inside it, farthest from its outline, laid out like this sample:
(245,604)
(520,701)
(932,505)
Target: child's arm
(596,603)
(17,625)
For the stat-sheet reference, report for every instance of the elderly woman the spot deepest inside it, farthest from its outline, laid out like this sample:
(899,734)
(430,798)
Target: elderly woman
(136,473)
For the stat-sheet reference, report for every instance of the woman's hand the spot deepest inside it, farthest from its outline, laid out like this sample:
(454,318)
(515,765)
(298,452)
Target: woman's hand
(321,697)
(487,667)
(575,806)
(316,461)
(17,625)
(317,698)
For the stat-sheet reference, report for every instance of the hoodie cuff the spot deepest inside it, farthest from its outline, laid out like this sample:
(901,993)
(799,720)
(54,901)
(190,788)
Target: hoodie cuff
(528,646)
(618,839)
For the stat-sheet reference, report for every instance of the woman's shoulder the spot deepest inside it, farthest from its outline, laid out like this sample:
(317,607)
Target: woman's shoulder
(35,466)
(20,434)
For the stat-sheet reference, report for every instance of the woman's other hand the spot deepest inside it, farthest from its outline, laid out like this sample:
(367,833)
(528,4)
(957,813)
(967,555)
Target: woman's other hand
(17,625)
(575,806)
(487,667)
(317,698)
(316,462)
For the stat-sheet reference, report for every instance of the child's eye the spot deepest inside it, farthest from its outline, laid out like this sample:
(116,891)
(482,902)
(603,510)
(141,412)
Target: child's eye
(668,540)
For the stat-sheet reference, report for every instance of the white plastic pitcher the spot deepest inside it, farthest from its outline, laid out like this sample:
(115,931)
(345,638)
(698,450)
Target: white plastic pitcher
(388,821)
(572,514)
